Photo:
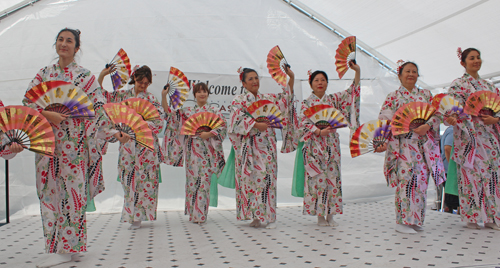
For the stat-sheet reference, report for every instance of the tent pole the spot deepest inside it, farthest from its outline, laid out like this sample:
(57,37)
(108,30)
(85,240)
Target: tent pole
(7,216)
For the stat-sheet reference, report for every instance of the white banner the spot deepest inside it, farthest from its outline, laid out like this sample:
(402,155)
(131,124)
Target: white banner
(223,88)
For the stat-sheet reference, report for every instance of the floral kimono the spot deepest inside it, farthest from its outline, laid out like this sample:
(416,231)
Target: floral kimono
(74,173)
(204,158)
(256,165)
(321,154)
(4,141)
(411,158)
(476,154)
(138,167)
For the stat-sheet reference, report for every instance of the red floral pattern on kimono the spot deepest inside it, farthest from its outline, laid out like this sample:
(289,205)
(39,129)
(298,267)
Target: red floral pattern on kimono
(4,141)
(256,165)
(322,179)
(138,167)
(203,159)
(476,153)
(410,159)
(64,181)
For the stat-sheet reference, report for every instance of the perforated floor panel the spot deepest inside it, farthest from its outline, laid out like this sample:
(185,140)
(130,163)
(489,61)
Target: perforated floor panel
(365,238)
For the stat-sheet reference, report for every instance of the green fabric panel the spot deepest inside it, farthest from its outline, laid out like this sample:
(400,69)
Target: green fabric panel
(227,177)
(214,191)
(451,178)
(90,203)
(298,172)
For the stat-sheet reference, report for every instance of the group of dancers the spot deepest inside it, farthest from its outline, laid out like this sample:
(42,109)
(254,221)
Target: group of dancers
(73,176)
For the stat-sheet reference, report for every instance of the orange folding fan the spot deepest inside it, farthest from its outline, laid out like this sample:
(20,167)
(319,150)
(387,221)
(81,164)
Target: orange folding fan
(276,63)
(143,107)
(345,53)
(410,116)
(123,69)
(128,121)
(199,122)
(482,103)
(62,97)
(266,111)
(369,136)
(179,87)
(324,116)
(29,128)
(437,99)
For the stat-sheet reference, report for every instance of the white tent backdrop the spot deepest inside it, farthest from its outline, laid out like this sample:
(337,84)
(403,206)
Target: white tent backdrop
(205,37)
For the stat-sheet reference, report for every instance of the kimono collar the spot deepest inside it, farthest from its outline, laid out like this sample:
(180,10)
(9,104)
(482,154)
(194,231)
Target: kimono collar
(251,97)
(145,92)
(314,96)
(196,106)
(68,68)
(403,89)
(470,77)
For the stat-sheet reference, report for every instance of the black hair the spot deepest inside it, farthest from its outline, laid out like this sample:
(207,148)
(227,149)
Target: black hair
(244,73)
(466,52)
(200,87)
(76,33)
(400,69)
(140,73)
(311,77)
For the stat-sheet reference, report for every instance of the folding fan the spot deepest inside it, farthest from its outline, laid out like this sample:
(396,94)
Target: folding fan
(266,111)
(143,107)
(482,103)
(369,136)
(62,97)
(324,116)
(449,106)
(199,122)
(276,63)
(179,87)
(128,121)
(28,127)
(345,53)
(123,69)
(437,99)
(410,116)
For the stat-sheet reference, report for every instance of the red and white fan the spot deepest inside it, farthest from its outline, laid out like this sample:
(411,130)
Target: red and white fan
(345,53)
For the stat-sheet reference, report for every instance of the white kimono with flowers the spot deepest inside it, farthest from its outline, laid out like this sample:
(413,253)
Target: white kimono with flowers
(64,181)
(256,163)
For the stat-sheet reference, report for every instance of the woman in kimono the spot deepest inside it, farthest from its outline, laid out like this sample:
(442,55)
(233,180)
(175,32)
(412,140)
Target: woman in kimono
(254,143)
(411,158)
(7,149)
(321,149)
(476,142)
(138,167)
(202,152)
(64,181)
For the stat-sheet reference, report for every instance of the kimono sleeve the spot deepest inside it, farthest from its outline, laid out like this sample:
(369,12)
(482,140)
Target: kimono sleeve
(156,125)
(105,128)
(36,81)
(173,148)
(4,152)
(221,132)
(286,103)
(348,102)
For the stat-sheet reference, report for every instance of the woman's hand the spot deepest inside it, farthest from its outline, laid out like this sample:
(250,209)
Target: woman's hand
(452,120)
(289,72)
(110,69)
(122,137)
(15,147)
(261,126)
(422,130)
(325,131)
(489,120)
(165,91)
(54,118)
(354,66)
(381,148)
(206,135)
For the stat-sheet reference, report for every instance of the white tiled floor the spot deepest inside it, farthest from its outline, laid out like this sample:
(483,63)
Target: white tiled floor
(365,238)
